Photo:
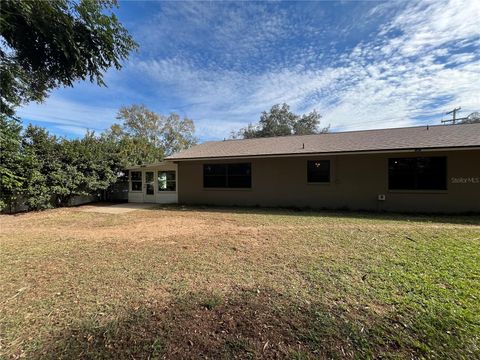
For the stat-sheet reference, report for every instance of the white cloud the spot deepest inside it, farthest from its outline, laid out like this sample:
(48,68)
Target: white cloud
(69,116)
(226,100)
(389,81)
(429,24)
(418,64)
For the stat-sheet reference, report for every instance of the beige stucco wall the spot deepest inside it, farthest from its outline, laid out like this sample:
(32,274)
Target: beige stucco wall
(356,182)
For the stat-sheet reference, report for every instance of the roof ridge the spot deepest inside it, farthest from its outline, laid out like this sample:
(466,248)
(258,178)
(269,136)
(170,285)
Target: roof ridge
(336,132)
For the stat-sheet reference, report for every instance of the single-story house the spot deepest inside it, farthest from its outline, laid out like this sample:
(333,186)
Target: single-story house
(423,169)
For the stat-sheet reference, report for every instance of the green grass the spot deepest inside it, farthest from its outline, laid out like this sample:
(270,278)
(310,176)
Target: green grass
(178,282)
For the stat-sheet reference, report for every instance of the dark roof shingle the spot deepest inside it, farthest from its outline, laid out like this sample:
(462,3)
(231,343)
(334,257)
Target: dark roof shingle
(420,137)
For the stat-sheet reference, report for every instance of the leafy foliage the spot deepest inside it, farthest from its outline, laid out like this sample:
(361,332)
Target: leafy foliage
(46,44)
(43,177)
(471,119)
(11,160)
(46,171)
(177,134)
(280,121)
(146,137)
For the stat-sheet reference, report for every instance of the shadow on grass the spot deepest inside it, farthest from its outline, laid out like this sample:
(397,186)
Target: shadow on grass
(461,219)
(246,324)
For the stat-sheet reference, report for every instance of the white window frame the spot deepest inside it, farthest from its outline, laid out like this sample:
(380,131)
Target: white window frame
(167,181)
(136,181)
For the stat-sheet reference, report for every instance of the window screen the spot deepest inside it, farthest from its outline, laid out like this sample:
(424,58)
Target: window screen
(136,179)
(318,171)
(149,183)
(237,175)
(420,173)
(167,181)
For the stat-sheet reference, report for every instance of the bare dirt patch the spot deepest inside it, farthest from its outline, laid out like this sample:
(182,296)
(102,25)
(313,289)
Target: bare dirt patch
(106,208)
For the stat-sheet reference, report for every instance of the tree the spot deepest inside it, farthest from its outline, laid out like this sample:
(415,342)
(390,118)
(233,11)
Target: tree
(46,176)
(137,136)
(61,169)
(177,134)
(40,170)
(280,121)
(11,161)
(140,122)
(308,124)
(472,118)
(46,44)
(146,137)
(94,163)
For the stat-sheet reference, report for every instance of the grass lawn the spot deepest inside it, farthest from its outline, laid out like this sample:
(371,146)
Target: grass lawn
(179,282)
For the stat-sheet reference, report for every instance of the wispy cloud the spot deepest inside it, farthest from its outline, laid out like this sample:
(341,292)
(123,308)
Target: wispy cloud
(360,64)
(69,117)
(417,63)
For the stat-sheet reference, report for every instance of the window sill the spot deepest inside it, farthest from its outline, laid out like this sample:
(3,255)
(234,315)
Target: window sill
(319,183)
(418,191)
(227,189)
(166,192)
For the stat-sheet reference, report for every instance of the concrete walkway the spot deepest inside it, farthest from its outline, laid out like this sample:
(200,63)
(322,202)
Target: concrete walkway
(114,208)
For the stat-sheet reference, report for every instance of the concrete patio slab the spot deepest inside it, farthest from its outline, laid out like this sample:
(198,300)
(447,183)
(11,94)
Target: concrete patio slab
(115,208)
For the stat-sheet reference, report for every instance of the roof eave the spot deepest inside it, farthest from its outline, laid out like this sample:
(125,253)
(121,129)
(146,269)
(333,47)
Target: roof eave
(151,165)
(332,153)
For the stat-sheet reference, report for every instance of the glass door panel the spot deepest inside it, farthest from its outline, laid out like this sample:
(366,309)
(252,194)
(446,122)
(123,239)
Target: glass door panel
(149,182)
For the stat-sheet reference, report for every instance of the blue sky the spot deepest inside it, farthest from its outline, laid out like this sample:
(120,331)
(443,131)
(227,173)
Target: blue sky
(361,64)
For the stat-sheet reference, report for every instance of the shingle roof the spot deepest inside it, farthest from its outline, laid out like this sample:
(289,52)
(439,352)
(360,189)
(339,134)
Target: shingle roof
(420,137)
